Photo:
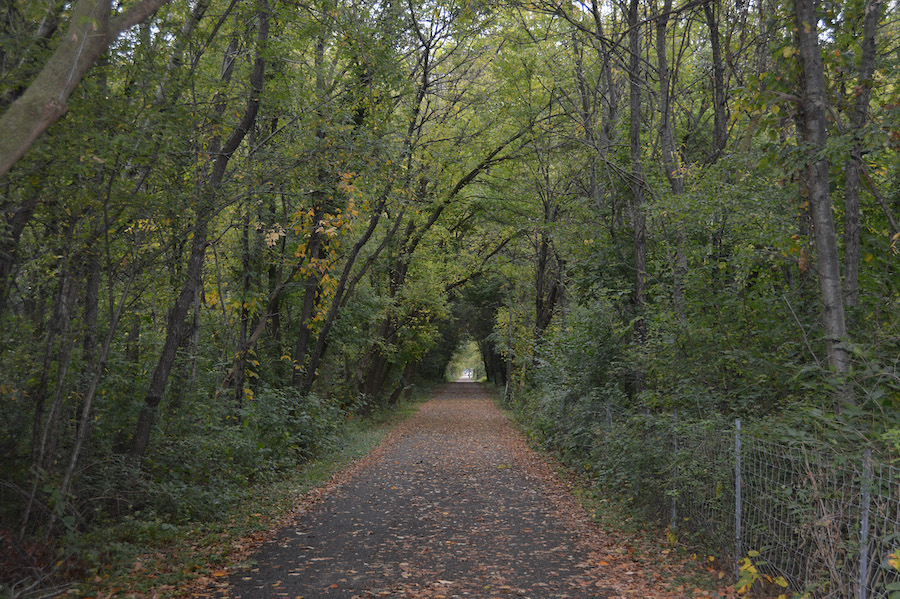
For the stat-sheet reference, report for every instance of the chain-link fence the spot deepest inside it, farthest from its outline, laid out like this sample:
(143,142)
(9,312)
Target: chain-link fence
(827,523)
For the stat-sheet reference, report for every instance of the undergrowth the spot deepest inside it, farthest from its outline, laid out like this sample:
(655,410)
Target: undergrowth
(142,553)
(618,514)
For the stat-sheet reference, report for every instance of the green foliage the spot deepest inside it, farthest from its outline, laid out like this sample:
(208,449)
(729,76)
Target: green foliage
(144,550)
(196,475)
(478,239)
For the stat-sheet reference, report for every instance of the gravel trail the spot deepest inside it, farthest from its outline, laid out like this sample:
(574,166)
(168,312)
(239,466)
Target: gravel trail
(452,504)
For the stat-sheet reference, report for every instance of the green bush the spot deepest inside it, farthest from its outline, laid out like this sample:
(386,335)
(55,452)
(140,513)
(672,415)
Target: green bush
(198,466)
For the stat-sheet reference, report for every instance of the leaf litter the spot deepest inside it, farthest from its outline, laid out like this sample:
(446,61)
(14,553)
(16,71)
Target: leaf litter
(452,504)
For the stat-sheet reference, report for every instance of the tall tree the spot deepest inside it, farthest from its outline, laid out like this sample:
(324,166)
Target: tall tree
(853,166)
(637,183)
(815,114)
(220,153)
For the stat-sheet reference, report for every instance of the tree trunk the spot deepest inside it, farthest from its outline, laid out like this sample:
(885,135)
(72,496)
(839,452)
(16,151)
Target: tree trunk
(89,35)
(177,330)
(91,314)
(133,341)
(314,253)
(546,282)
(9,242)
(639,221)
(670,158)
(91,307)
(86,416)
(59,324)
(720,106)
(316,246)
(186,359)
(240,361)
(405,384)
(853,166)
(42,423)
(828,260)
(176,327)
(337,301)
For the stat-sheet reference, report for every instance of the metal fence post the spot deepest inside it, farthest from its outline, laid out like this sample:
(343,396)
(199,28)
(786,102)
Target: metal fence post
(865,507)
(737,490)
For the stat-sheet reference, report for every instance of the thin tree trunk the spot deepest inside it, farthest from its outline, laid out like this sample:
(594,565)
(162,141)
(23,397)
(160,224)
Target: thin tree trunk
(58,326)
(639,221)
(720,106)
(240,361)
(84,419)
(319,349)
(815,129)
(852,167)
(91,308)
(310,300)
(547,280)
(587,118)
(177,328)
(133,341)
(316,247)
(41,426)
(186,359)
(9,242)
(670,158)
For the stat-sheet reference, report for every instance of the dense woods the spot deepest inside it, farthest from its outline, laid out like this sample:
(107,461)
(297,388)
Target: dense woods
(230,226)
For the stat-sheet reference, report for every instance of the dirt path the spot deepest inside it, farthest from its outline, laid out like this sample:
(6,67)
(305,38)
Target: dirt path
(452,504)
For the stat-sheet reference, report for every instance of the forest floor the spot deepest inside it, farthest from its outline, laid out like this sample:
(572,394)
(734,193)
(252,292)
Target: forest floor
(453,503)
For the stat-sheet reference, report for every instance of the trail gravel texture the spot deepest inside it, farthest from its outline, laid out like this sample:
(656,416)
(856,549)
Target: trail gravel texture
(452,504)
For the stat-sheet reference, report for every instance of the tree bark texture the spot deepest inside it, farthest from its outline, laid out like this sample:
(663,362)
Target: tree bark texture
(639,221)
(816,138)
(90,33)
(671,163)
(720,106)
(853,166)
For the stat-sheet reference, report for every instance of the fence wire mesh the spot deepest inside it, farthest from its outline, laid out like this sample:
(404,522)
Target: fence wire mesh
(828,523)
